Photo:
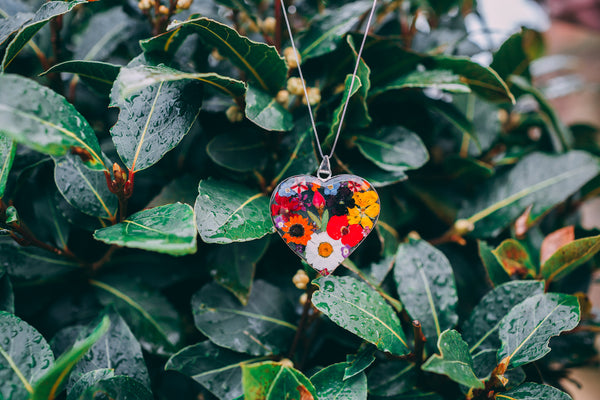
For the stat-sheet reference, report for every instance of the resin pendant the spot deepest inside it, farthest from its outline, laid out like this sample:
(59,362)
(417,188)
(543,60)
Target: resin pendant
(324,220)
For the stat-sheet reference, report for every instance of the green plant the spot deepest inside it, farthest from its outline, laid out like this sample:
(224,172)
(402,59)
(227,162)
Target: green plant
(114,157)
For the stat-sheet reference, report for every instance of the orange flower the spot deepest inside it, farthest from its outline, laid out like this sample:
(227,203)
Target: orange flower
(297,230)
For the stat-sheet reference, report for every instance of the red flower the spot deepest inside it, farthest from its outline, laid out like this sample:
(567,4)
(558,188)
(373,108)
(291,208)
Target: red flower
(338,228)
(318,200)
(285,205)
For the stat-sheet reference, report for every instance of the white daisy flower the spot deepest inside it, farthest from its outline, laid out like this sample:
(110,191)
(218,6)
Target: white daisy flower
(324,253)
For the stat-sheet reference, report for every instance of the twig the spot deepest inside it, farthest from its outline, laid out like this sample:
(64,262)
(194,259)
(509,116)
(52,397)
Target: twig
(303,319)
(95,266)
(419,342)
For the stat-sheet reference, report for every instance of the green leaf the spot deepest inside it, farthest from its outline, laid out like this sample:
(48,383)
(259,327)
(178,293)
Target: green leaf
(392,378)
(243,151)
(52,383)
(357,115)
(540,180)
(84,189)
(515,259)
(7,297)
(297,154)
(8,148)
(165,229)
(157,109)
(28,30)
(517,52)
(98,75)
(263,327)
(426,287)
(118,387)
(260,62)
(437,79)
(337,113)
(480,331)
(39,118)
(533,391)
(227,212)
(234,266)
(117,350)
(153,320)
(356,307)
(331,384)
(357,363)
(24,357)
(11,24)
(217,369)
(88,379)
(393,149)
(273,381)
(527,328)
(373,174)
(264,110)
(328,28)
(496,273)
(182,188)
(568,257)
(454,360)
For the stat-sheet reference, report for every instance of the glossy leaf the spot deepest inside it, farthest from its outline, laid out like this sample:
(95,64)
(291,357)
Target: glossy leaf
(263,327)
(570,256)
(297,154)
(437,79)
(357,363)
(393,149)
(118,387)
(11,24)
(480,331)
(392,378)
(83,188)
(46,12)
(538,179)
(217,369)
(25,357)
(53,381)
(7,297)
(273,381)
(157,109)
(153,320)
(356,307)
(533,391)
(117,350)
(517,52)
(515,259)
(357,115)
(337,113)
(259,61)
(555,240)
(228,212)
(8,149)
(234,265)
(495,271)
(426,287)
(375,175)
(43,120)
(264,110)
(98,75)
(454,360)
(88,379)
(165,229)
(330,384)
(527,328)
(243,151)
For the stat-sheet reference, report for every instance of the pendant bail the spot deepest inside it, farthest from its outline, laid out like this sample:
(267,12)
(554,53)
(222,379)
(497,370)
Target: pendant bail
(324,169)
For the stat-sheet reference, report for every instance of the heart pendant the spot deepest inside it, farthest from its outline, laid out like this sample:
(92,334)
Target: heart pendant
(324,221)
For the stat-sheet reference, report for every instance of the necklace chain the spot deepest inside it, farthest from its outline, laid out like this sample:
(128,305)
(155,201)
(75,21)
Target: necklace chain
(325,168)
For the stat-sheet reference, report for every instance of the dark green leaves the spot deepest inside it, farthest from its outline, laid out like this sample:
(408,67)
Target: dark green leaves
(527,328)
(263,327)
(157,109)
(118,387)
(266,112)
(426,287)
(165,229)
(7,155)
(98,75)
(356,307)
(515,259)
(568,257)
(330,384)
(533,391)
(239,151)
(274,381)
(228,212)
(454,360)
(43,120)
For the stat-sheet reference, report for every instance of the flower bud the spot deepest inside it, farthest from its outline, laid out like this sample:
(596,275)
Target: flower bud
(145,5)
(164,10)
(268,25)
(303,299)
(286,362)
(314,96)
(301,279)
(463,226)
(283,96)
(183,4)
(290,58)
(294,86)
(234,114)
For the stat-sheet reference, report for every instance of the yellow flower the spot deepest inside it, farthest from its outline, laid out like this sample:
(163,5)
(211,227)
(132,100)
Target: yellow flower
(366,209)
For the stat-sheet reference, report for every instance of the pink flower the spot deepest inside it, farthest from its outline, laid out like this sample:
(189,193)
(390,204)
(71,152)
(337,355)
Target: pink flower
(318,200)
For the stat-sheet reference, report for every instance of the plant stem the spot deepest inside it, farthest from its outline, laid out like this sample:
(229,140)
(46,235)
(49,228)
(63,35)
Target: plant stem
(278,16)
(419,342)
(104,259)
(303,319)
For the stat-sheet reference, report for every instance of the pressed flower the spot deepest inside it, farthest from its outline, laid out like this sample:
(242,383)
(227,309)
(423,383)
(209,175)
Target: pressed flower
(339,204)
(297,230)
(285,205)
(338,228)
(331,189)
(318,200)
(366,209)
(324,253)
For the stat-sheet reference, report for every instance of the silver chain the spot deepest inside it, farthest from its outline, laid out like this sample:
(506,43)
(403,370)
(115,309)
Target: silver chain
(325,167)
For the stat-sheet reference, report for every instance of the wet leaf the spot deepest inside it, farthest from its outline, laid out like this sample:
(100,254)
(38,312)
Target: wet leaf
(273,381)
(517,52)
(555,240)
(297,154)
(357,115)
(182,188)
(118,387)
(356,307)
(425,283)
(98,75)
(53,381)
(337,113)
(454,360)
(392,378)
(261,62)
(539,179)
(25,357)
(263,327)
(527,328)
(515,259)
(11,24)
(217,369)
(357,363)
(39,118)
(533,391)
(437,79)
(264,110)
(375,175)
(88,379)
(227,212)
(480,331)
(496,273)
(243,151)
(153,320)
(158,107)
(164,229)
(568,257)
(331,384)
(8,149)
